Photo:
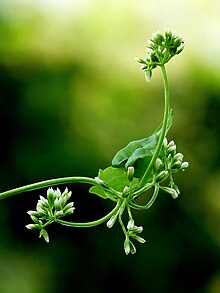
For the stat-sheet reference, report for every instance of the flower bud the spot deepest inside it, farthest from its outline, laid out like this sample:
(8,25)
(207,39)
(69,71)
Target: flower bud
(158,164)
(127,247)
(40,208)
(150,43)
(50,196)
(69,212)
(165,142)
(112,221)
(178,157)
(34,213)
(126,190)
(139,239)
(57,193)
(137,229)
(184,165)
(158,38)
(44,233)
(57,203)
(171,191)
(180,49)
(162,175)
(67,195)
(65,192)
(59,214)
(130,224)
(169,34)
(43,202)
(148,74)
(176,188)
(68,206)
(178,42)
(101,182)
(63,201)
(176,165)
(130,173)
(132,248)
(171,150)
(171,143)
(32,226)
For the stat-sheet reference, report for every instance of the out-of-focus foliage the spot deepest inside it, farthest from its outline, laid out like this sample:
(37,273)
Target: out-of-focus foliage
(71,95)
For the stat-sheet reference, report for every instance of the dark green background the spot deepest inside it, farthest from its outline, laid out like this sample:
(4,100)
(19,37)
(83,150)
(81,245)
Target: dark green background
(71,95)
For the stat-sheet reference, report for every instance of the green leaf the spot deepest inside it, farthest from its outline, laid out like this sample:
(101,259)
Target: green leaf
(115,178)
(146,149)
(98,190)
(138,153)
(124,154)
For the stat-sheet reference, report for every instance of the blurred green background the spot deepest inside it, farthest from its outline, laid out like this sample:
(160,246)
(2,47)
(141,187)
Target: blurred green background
(71,95)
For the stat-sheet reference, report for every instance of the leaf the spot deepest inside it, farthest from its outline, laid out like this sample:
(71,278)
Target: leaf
(138,153)
(115,178)
(125,153)
(98,190)
(145,150)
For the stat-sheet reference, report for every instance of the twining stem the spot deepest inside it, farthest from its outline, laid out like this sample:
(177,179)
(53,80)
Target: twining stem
(163,130)
(92,223)
(46,183)
(149,203)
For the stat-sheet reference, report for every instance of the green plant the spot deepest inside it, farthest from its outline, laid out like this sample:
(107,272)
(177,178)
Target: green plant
(144,165)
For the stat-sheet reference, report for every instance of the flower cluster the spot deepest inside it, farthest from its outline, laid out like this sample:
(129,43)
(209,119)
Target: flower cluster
(132,233)
(161,48)
(49,209)
(168,163)
(170,160)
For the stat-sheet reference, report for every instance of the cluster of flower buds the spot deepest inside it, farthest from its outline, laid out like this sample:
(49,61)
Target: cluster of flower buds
(161,48)
(49,209)
(169,162)
(174,160)
(132,233)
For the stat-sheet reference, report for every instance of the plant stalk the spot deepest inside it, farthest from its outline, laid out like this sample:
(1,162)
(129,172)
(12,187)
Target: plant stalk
(149,203)
(163,130)
(92,223)
(46,183)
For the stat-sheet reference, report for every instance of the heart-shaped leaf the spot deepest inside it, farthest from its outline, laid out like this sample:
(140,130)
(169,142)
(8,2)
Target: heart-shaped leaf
(116,178)
(138,153)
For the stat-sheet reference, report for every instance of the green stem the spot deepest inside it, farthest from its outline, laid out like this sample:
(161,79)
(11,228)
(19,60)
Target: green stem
(150,202)
(129,212)
(92,223)
(140,191)
(47,224)
(121,222)
(47,183)
(163,130)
